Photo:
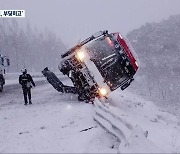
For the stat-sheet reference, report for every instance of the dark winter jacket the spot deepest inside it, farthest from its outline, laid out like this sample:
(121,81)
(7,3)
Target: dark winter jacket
(26,80)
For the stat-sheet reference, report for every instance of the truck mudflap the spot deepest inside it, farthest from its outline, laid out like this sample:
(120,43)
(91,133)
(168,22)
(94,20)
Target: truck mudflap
(56,83)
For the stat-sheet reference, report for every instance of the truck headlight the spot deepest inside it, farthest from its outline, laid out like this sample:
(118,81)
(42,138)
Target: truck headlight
(80,55)
(103,91)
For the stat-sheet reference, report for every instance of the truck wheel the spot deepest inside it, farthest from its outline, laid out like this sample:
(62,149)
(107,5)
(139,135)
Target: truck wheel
(1,87)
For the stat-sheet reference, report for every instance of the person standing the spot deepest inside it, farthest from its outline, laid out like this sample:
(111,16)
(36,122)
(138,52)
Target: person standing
(26,82)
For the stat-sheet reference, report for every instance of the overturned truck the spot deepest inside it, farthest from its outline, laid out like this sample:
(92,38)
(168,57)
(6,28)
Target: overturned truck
(96,66)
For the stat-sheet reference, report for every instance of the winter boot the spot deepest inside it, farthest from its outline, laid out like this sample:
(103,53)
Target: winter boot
(30,102)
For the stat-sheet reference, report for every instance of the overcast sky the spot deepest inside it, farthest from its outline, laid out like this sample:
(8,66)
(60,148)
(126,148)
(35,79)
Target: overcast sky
(73,20)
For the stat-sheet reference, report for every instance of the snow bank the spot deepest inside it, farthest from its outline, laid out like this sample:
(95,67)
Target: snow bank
(132,138)
(143,116)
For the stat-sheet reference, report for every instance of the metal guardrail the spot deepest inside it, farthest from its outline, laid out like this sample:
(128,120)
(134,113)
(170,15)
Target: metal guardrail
(127,134)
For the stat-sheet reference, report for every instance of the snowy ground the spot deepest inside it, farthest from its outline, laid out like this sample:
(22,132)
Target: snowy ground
(163,128)
(59,123)
(54,123)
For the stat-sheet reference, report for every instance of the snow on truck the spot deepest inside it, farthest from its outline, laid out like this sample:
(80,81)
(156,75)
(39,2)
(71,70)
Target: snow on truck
(4,62)
(96,66)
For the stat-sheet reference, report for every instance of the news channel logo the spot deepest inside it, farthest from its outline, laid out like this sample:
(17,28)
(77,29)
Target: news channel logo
(12,13)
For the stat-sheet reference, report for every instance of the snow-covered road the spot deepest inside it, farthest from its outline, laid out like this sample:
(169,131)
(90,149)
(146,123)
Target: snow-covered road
(60,123)
(54,123)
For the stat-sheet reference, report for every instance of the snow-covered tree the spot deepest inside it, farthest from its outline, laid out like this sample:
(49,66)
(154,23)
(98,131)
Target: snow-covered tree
(27,47)
(158,48)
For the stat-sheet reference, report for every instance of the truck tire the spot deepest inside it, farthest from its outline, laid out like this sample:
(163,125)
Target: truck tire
(1,87)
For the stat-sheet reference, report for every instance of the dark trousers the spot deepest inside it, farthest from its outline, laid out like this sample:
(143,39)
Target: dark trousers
(27,92)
